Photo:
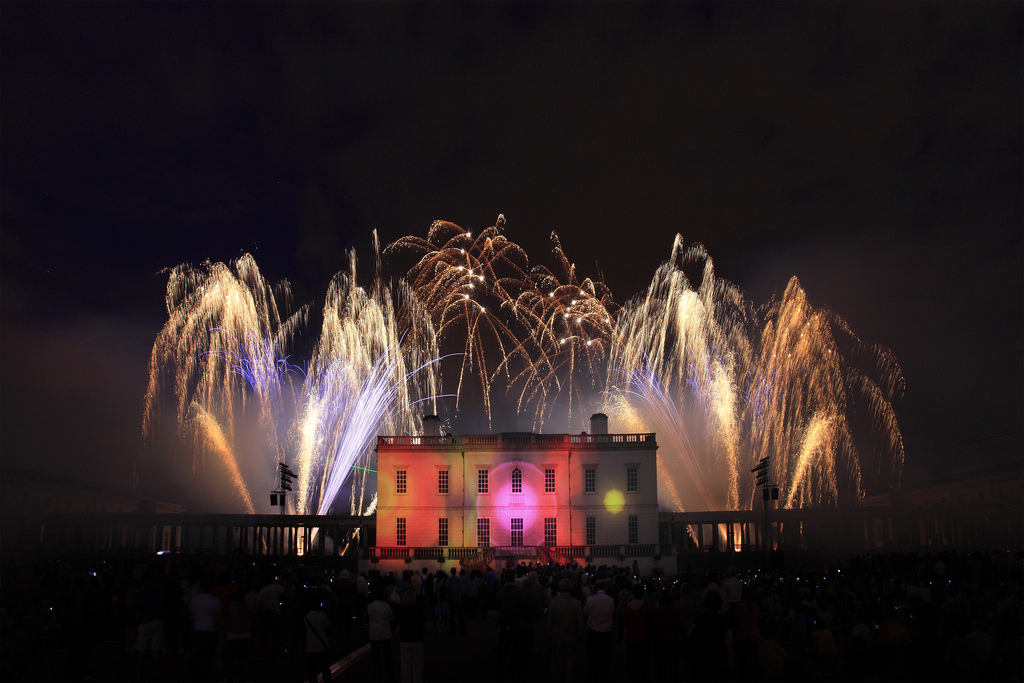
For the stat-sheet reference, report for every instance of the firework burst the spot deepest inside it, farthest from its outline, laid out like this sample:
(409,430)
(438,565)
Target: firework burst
(469,285)
(683,365)
(224,323)
(374,366)
(568,326)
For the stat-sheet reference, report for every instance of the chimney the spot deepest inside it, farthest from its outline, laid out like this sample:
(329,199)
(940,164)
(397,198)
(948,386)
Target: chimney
(598,423)
(431,425)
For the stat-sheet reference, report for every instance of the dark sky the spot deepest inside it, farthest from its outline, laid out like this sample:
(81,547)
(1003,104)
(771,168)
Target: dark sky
(872,150)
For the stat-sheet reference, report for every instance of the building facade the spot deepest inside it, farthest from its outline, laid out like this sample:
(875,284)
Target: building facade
(535,496)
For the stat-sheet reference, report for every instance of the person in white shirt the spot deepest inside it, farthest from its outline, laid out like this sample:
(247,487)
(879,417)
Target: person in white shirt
(380,617)
(599,610)
(205,609)
(268,624)
(318,644)
(733,588)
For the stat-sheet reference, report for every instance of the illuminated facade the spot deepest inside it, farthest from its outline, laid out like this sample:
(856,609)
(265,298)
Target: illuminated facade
(533,496)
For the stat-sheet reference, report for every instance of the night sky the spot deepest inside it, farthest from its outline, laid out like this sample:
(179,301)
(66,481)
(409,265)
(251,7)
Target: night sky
(872,150)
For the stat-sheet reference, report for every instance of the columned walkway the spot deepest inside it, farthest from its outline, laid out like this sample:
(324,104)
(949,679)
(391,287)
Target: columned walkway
(207,534)
(864,529)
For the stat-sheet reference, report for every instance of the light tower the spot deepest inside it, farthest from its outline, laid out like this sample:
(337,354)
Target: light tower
(278,495)
(769,492)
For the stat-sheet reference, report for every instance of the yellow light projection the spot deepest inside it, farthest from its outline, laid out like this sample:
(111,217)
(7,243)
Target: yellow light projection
(614,501)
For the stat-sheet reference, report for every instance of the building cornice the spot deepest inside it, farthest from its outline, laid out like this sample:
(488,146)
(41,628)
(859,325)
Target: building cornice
(518,441)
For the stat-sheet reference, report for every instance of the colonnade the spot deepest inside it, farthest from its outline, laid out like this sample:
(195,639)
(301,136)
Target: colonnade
(844,530)
(207,534)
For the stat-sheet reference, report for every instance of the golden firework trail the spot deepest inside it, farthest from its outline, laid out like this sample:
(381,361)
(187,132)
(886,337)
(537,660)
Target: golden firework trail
(803,385)
(676,357)
(568,326)
(219,444)
(222,351)
(683,363)
(548,331)
(466,283)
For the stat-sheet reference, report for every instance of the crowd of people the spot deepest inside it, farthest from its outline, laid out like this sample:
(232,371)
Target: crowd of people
(942,616)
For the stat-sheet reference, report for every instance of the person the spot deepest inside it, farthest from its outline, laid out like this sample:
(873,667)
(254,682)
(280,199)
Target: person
(714,585)
(710,642)
(269,623)
(565,622)
(455,607)
(733,589)
(599,610)
(149,605)
(665,629)
(238,640)
(441,604)
(636,622)
(318,645)
(380,617)
(362,592)
(348,603)
(509,601)
(205,609)
(410,634)
(429,602)
(473,591)
(747,634)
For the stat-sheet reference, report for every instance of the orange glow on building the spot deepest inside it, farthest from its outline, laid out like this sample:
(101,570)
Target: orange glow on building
(527,496)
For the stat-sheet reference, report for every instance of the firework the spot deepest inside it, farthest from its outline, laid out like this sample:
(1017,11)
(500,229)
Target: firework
(722,383)
(224,324)
(568,327)
(374,366)
(469,286)
(683,365)
(223,348)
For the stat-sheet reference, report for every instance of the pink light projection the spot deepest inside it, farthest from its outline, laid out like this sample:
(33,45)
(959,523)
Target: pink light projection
(528,505)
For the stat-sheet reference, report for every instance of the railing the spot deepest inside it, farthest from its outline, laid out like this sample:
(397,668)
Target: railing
(517,552)
(516,439)
(525,552)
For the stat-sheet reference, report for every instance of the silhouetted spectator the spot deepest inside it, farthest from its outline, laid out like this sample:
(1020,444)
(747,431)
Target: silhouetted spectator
(410,634)
(565,623)
(318,644)
(600,611)
(380,618)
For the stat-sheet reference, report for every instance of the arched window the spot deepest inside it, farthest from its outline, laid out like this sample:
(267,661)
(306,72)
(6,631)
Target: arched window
(517,480)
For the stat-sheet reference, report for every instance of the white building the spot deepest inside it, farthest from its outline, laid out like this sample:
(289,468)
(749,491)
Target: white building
(589,497)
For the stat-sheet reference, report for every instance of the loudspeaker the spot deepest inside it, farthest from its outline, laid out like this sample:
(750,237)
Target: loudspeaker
(273,499)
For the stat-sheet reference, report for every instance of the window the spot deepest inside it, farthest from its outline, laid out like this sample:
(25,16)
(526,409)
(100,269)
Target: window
(634,530)
(591,530)
(590,480)
(442,482)
(483,532)
(400,531)
(549,480)
(400,481)
(516,528)
(442,531)
(550,531)
(481,481)
(631,479)
(517,480)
